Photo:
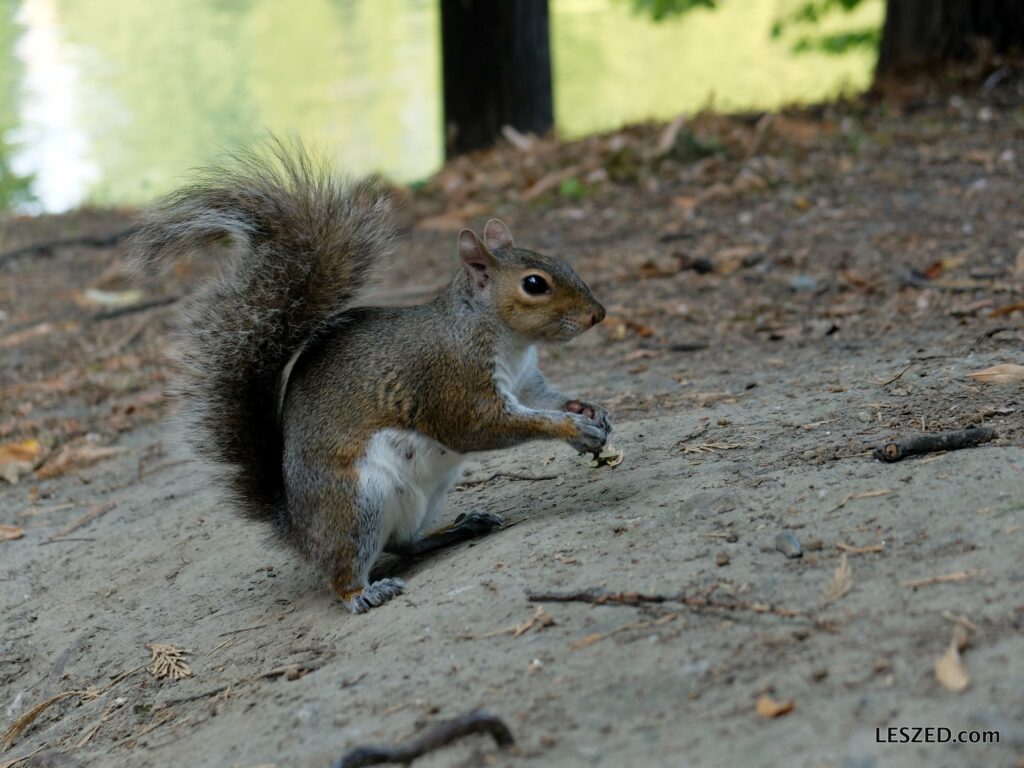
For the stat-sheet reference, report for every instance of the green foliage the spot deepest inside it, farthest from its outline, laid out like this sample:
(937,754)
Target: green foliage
(14,189)
(811,14)
(813,11)
(688,147)
(841,42)
(663,9)
(573,189)
(807,14)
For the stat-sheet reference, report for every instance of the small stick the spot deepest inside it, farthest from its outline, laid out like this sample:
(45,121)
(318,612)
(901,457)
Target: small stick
(942,441)
(603,597)
(48,246)
(196,697)
(131,309)
(962,621)
(243,629)
(508,475)
(97,511)
(441,735)
(928,581)
(860,550)
(887,382)
(33,511)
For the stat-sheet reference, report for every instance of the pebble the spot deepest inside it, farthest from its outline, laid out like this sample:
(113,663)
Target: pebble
(865,416)
(789,545)
(802,283)
(722,558)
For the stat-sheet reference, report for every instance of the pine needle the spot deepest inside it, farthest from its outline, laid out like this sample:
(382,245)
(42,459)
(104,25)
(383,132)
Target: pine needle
(840,583)
(18,726)
(168,661)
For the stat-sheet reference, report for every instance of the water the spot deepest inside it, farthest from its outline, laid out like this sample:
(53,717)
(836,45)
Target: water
(110,102)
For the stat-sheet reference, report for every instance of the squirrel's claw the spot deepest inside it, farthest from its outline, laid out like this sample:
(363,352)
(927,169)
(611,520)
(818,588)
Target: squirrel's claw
(592,434)
(377,594)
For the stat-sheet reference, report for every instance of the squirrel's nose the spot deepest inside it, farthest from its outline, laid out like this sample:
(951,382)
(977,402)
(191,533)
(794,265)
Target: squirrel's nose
(597,317)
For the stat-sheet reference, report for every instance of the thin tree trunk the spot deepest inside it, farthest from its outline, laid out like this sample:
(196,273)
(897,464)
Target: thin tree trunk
(923,34)
(497,70)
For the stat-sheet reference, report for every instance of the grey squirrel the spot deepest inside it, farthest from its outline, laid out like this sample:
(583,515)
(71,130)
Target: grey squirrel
(351,452)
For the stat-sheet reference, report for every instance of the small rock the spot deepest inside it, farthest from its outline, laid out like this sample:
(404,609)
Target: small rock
(789,545)
(865,416)
(802,283)
(809,455)
(819,673)
(814,545)
(732,537)
(721,558)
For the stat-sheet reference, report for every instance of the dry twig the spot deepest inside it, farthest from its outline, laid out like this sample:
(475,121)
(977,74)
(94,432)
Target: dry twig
(929,580)
(860,550)
(942,441)
(441,735)
(507,475)
(604,597)
(540,618)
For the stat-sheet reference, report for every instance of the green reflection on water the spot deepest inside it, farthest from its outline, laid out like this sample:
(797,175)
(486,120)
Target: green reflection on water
(160,87)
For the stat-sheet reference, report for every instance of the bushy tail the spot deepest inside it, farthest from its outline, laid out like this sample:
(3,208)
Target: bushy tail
(306,242)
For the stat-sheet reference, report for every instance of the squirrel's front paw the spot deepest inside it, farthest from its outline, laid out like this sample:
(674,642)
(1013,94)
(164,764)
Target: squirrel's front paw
(592,411)
(591,434)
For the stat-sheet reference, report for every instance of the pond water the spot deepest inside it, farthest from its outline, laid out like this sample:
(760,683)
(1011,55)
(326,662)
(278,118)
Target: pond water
(110,102)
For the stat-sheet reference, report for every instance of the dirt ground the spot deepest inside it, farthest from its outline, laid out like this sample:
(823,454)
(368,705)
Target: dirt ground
(785,292)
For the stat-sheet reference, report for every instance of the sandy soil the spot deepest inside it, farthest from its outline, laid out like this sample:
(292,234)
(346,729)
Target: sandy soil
(764,335)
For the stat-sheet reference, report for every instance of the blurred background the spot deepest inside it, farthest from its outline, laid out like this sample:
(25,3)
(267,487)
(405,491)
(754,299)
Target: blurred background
(110,103)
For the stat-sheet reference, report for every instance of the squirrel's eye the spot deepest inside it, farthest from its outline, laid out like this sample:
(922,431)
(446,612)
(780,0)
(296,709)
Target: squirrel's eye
(535,285)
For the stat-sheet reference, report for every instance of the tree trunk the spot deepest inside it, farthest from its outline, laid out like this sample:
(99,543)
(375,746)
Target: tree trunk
(920,34)
(496,68)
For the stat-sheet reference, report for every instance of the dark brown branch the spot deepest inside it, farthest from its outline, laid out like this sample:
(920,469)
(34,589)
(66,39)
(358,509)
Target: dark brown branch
(942,441)
(47,246)
(507,475)
(604,597)
(441,735)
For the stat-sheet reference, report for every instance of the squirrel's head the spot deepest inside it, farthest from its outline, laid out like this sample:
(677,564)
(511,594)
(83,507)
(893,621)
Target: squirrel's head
(539,298)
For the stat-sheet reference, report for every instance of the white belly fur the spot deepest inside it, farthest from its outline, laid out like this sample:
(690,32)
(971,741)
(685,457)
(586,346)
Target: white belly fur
(406,476)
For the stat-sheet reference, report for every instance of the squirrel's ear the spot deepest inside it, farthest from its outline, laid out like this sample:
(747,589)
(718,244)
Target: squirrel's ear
(478,260)
(497,235)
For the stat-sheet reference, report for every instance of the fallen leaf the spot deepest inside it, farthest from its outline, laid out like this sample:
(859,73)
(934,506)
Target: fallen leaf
(770,708)
(1006,373)
(608,457)
(17,459)
(11,532)
(950,670)
(76,456)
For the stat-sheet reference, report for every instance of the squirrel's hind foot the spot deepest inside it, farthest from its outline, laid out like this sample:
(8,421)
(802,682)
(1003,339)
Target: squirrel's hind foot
(466,527)
(375,595)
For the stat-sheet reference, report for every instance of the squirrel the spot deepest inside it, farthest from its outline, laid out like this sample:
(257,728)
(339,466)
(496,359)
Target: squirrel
(344,426)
